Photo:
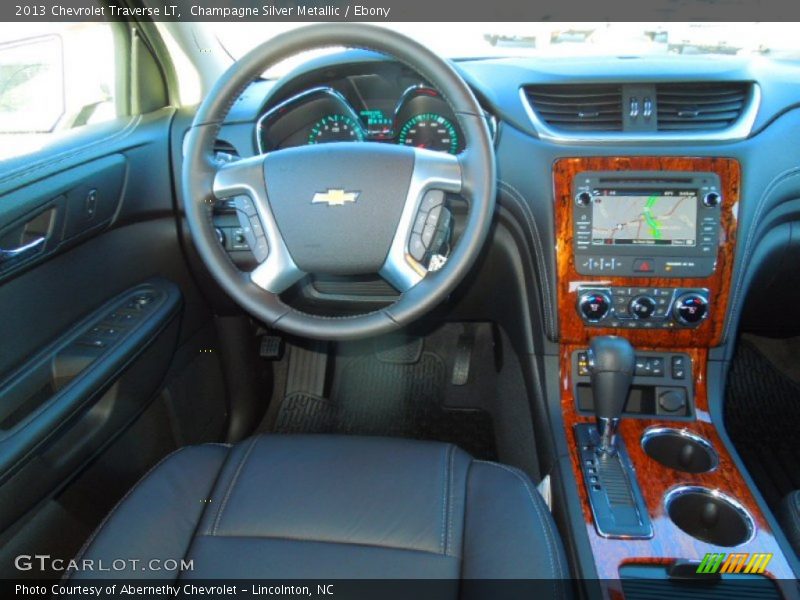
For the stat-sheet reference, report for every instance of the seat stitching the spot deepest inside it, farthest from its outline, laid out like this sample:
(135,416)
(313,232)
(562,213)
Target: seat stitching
(444,502)
(96,532)
(289,538)
(231,485)
(450,501)
(548,534)
(450,486)
(187,552)
(464,518)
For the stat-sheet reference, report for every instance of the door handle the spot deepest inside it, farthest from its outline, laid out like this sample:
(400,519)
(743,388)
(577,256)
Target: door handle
(22,251)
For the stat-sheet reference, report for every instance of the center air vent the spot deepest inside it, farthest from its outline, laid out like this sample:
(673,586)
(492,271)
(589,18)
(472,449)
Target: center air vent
(700,106)
(578,107)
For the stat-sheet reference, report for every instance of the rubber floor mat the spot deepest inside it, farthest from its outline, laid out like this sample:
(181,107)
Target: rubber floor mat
(394,399)
(762,410)
(301,412)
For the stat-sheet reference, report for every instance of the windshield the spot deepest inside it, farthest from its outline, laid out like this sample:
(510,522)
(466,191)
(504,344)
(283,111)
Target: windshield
(478,40)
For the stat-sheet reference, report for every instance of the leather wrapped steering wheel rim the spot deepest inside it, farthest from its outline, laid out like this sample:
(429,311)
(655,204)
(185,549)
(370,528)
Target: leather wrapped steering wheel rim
(203,182)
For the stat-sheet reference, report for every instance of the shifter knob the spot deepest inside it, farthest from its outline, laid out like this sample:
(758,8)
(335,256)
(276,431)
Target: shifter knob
(611,364)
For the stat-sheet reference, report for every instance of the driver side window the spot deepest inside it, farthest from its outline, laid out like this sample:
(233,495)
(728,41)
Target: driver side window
(54,77)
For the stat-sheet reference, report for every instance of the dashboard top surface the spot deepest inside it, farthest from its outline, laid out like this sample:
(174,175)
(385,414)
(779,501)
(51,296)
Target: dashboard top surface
(497,81)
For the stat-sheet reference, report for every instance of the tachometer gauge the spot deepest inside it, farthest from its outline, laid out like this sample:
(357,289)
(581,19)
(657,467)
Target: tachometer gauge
(335,128)
(431,131)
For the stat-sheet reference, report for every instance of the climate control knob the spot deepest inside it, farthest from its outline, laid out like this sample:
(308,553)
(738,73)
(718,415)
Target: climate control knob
(690,309)
(642,307)
(594,306)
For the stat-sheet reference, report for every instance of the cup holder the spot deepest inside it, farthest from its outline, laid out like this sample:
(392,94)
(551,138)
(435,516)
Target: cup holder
(709,516)
(679,449)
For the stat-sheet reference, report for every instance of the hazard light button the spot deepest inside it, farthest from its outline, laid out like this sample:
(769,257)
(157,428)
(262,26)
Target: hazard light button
(643,265)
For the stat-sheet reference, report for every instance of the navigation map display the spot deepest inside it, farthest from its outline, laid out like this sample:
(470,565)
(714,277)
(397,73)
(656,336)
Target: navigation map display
(629,217)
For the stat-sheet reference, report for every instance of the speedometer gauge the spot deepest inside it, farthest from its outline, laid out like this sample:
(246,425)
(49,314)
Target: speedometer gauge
(335,128)
(431,131)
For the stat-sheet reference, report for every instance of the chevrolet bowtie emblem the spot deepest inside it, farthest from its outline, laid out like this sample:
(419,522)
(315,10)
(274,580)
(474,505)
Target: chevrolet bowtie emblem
(335,197)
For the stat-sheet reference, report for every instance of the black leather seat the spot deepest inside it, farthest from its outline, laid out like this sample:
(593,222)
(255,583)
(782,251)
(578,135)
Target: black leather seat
(332,507)
(789,515)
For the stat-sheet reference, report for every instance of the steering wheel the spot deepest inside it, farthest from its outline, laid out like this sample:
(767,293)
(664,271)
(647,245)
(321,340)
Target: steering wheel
(343,208)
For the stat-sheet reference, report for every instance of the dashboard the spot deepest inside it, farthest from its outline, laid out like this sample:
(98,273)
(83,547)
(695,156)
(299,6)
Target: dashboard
(360,96)
(362,108)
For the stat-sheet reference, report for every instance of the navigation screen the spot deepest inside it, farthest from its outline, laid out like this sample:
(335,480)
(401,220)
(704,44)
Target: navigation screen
(667,218)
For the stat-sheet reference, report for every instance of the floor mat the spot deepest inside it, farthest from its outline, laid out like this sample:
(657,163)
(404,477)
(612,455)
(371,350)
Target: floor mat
(762,410)
(390,394)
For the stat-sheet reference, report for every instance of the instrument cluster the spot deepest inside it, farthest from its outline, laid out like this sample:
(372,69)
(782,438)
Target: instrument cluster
(418,118)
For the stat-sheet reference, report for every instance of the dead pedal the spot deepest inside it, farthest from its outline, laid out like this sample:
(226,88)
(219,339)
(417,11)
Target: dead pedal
(463,358)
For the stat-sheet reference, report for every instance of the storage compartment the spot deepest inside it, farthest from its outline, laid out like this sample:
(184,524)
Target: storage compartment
(709,516)
(679,449)
(643,401)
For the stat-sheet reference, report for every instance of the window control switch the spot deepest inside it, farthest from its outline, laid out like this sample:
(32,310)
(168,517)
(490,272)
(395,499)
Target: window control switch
(92,341)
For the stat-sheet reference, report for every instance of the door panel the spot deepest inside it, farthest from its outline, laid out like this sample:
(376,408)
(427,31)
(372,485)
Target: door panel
(106,213)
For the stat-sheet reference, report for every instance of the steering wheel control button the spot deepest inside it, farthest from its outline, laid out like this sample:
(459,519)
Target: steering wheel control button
(427,235)
(642,307)
(433,216)
(260,249)
(255,225)
(419,222)
(416,248)
(246,205)
(431,200)
(426,223)
(690,309)
(594,306)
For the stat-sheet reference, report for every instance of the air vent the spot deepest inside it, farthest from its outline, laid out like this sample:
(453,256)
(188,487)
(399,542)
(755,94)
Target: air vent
(700,106)
(578,107)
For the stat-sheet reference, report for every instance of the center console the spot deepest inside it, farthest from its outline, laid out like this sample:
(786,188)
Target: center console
(645,250)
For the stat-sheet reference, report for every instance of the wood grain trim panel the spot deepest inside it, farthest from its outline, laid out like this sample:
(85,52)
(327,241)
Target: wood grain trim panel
(668,543)
(709,333)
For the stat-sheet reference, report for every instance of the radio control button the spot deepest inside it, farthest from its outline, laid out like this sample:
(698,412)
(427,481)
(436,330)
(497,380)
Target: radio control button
(583,198)
(712,199)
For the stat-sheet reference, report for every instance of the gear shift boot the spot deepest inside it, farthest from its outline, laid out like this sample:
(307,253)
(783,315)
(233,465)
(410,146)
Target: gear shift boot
(617,504)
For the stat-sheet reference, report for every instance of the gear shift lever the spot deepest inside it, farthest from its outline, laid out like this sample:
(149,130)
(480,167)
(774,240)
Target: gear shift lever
(611,365)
